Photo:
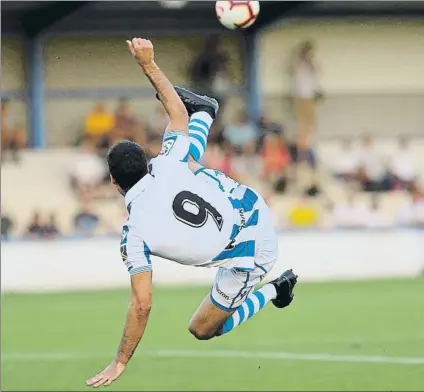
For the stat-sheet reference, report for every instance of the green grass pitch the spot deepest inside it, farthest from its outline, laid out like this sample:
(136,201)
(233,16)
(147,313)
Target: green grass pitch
(335,336)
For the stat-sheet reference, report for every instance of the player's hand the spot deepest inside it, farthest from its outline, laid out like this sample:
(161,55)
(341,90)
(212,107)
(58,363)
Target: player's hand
(107,376)
(142,50)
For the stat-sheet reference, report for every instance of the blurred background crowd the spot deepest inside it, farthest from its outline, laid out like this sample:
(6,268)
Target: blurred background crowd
(323,154)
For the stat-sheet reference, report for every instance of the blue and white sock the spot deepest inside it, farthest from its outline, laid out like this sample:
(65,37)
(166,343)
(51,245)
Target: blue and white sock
(253,304)
(198,131)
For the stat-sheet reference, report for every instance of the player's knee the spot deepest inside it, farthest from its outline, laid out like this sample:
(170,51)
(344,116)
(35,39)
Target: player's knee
(201,333)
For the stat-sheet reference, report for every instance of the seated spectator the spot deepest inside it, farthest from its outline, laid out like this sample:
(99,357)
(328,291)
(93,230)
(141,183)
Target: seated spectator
(13,137)
(125,118)
(51,229)
(86,221)
(350,214)
(35,227)
(303,214)
(88,171)
(275,158)
(6,226)
(157,123)
(412,213)
(372,170)
(346,164)
(99,122)
(242,133)
(403,166)
(267,126)
(375,217)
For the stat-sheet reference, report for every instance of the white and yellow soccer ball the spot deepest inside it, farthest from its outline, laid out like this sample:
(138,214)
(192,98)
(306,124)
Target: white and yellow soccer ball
(237,14)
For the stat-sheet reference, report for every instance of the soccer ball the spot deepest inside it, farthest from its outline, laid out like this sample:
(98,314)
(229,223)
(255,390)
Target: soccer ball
(237,14)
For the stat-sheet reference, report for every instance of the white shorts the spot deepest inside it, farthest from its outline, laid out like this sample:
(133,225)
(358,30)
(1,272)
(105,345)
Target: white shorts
(232,286)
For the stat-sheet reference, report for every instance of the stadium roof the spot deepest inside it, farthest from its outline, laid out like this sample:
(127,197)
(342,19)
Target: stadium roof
(114,17)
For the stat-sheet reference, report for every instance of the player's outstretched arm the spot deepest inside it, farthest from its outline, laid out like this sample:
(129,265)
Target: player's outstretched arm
(142,50)
(137,316)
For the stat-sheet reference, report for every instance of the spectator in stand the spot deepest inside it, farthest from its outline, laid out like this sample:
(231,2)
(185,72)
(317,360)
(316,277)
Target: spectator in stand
(210,71)
(350,213)
(372,171)
(303,214)
(12,135)
(99,122)
(267,126)
(306,92)
(86,221)
(125,118)
(242,133)
(403,166)
(275,160)
(6,226)
(346,164)
(51,229)
(157,123)
(35,227)
(412,213)
(88,172)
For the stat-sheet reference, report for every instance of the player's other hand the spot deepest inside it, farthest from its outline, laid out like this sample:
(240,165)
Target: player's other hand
(142,50)
(107,376)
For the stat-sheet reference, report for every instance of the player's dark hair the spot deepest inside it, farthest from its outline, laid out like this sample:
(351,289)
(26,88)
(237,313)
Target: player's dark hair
(127,163)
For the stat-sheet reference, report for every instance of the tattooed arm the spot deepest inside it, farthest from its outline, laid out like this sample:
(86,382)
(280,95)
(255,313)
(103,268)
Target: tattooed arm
(142,50)
(137,316)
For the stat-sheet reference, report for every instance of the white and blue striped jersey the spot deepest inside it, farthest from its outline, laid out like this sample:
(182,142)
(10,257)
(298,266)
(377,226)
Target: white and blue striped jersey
(174,214)
(201,219)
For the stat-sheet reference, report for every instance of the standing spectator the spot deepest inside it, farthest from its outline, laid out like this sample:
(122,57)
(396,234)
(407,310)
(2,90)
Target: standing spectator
(6,226)
(275,159)
(35,228)
(242,133)
(412,213)
(99,122)
(210,71)
(372,171)
(51,229)
(403,166)
(12,135)
(346,164)
(306,92)
(86,221)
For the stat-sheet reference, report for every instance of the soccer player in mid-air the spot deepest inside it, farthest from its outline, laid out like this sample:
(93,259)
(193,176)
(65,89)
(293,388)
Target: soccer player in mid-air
(192,215)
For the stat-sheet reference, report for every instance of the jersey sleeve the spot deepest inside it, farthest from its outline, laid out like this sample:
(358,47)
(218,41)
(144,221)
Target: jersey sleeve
(175,144)
(134,252)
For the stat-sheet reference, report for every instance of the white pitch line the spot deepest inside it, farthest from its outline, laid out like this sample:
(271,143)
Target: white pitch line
(220,354)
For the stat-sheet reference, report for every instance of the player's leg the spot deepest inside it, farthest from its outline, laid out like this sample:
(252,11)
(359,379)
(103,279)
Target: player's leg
(232,300)
(225,308)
